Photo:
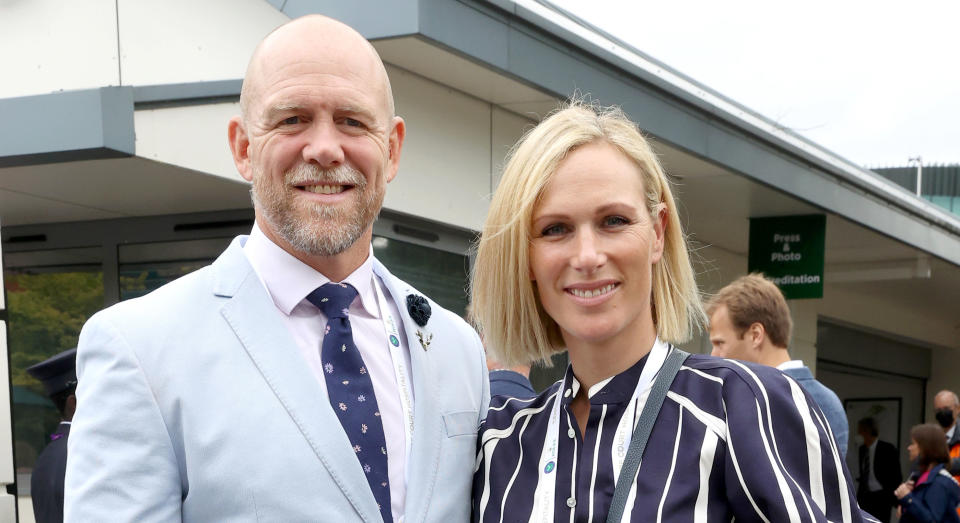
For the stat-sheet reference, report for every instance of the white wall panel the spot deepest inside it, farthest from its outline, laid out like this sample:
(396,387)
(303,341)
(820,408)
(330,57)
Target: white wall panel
(52,45)
(887,314)
(944,373)
(714,268)
(803,342)
(177,41)
(25,509)
(445,166)
(507,129)
(192,136)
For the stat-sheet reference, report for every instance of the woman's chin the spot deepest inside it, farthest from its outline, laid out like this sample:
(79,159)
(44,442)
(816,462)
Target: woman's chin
(592,336)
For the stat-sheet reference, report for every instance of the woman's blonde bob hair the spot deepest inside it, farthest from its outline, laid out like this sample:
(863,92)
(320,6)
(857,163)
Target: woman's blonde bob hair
(506,307)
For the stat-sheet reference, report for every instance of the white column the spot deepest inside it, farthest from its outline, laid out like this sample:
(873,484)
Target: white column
(7,501)
(803,343)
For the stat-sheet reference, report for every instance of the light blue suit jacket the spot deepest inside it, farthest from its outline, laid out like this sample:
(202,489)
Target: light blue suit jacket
(194,404)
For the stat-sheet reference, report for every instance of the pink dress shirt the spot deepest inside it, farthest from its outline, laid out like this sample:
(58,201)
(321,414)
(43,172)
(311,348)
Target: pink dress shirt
(288,281)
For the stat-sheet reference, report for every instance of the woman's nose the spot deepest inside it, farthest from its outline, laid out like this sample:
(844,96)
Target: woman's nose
(589,254)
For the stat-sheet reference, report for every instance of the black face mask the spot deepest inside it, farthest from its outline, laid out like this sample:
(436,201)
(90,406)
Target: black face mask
(944,417)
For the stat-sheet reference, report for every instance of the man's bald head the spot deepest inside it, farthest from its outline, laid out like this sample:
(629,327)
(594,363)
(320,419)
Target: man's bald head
(946,399)
(313,37)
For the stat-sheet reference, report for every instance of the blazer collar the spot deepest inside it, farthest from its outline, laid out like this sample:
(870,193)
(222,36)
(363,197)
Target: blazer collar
(258,326)
(423,461)
(231,269)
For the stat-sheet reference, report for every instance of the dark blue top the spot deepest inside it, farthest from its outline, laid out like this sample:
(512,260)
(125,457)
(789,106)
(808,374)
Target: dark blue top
(46,485)
(932,501)
(732,440)
(504,382)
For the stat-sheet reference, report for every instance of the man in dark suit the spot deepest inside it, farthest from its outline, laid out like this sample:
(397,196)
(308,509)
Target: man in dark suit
(879,472)
(59,377)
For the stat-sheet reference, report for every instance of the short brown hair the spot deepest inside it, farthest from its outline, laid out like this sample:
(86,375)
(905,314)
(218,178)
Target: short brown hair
(754,299)
(931,445)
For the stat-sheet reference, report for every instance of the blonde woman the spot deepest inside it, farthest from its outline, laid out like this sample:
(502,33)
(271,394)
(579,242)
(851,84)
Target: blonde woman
(583,251)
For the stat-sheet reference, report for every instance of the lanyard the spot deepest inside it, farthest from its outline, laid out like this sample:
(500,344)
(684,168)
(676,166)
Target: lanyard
(545,494)
(392,332)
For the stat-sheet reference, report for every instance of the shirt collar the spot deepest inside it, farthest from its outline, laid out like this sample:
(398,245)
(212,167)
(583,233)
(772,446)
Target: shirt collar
(792,364)
(615,389)
(950,432)
(288,280)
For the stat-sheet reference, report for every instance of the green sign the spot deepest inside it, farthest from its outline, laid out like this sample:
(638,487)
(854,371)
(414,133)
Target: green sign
(789,251)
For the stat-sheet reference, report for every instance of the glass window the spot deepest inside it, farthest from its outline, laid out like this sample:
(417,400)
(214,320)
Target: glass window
(141,278)
(145,267)
(441,275)
(47,307)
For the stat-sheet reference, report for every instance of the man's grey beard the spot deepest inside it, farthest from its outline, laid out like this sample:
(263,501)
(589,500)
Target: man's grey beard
(311,228)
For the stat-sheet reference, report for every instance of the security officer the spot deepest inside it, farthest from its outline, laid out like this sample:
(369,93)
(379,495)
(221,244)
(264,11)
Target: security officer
(59,377)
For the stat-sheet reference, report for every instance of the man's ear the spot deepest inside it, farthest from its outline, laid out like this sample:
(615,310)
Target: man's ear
(240,147)
(756,334)
(398,132)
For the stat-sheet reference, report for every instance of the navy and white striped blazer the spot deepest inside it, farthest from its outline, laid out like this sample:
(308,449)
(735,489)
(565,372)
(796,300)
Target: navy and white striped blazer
(732,441)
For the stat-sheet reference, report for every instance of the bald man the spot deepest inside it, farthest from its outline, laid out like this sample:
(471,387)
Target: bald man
(946,407)
(294,379)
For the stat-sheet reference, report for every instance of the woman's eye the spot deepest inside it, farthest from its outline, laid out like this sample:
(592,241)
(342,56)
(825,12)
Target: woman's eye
(553,230)
(615,221)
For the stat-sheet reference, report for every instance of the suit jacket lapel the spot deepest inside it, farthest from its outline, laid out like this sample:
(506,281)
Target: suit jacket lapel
(427,420)
(256,321)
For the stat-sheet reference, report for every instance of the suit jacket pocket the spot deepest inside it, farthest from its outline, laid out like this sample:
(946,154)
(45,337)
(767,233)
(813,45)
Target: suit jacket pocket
(461,423)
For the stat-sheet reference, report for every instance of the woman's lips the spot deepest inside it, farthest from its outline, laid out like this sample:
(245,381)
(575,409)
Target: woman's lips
(592,292)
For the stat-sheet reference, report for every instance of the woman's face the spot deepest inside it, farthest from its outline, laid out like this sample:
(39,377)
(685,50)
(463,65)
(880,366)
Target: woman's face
(913,449)
(593,246)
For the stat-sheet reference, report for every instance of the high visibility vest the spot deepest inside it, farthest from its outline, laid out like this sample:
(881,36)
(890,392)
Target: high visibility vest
(955,453)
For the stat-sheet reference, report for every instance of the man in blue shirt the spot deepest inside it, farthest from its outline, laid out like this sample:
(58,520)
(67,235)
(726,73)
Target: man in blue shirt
(750,321)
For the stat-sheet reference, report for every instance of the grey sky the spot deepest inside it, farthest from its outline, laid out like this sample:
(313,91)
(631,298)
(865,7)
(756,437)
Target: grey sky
(876,82)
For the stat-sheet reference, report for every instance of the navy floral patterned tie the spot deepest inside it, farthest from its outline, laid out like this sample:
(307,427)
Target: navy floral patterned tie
(351,391)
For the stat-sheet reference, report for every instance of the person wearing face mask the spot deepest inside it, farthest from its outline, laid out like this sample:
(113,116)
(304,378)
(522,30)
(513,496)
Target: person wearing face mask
(946,407)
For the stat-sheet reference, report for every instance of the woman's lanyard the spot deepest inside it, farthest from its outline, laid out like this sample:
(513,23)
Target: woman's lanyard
(545,495)
(391,330)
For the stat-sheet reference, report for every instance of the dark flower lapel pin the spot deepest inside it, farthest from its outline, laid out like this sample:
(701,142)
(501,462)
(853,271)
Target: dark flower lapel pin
(419,310)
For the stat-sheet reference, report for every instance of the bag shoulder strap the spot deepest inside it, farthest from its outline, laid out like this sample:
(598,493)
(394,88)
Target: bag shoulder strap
(651,409)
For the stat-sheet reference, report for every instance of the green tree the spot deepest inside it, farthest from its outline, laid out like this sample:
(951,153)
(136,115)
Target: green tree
(46,312)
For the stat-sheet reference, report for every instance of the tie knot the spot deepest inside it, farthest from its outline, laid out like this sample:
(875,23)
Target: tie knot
(333,299)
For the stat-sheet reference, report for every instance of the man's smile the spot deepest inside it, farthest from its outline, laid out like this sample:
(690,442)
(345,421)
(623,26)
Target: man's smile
(325,189)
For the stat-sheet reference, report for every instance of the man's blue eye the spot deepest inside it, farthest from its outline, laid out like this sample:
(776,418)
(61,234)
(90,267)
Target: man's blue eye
(353,123)
(291,120)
